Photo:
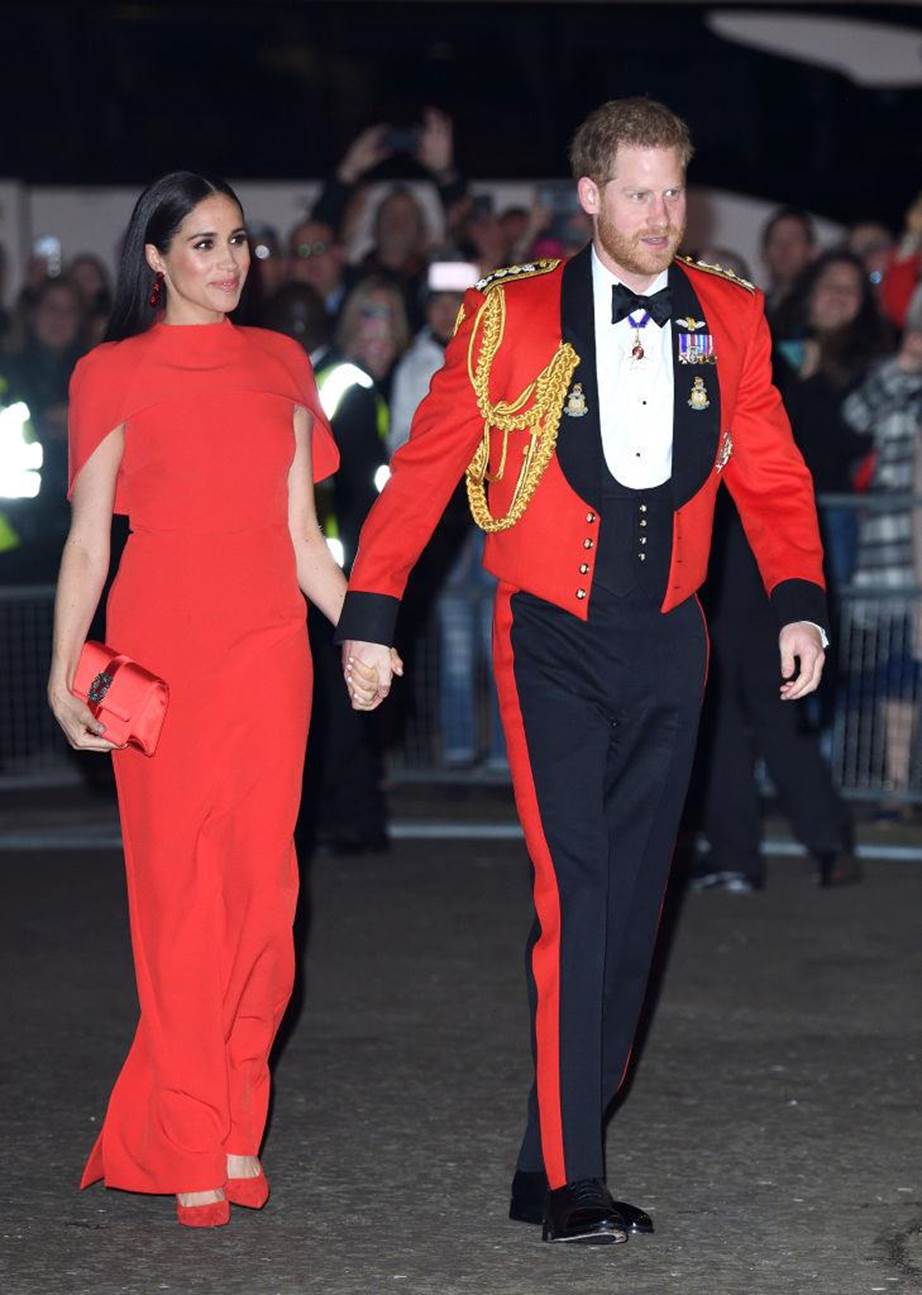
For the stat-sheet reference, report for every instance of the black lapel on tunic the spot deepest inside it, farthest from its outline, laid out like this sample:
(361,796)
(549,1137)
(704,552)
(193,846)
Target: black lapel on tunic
(579,440)
(696,431)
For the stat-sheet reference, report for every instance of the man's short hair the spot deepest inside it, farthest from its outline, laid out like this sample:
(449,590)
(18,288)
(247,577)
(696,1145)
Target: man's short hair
(635,123)
(802,217)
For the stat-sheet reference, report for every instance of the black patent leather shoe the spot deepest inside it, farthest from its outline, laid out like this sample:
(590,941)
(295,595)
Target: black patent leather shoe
(583,1213)
(529,1193)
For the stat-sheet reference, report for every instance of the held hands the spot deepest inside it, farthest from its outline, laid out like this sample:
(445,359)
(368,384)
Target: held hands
(369,669)
(804,641)
(82,730)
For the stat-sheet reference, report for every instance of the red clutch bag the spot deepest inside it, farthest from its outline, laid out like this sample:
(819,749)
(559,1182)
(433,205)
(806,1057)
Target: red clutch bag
(128,699)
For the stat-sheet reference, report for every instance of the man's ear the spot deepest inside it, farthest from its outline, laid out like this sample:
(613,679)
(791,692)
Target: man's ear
(590,199)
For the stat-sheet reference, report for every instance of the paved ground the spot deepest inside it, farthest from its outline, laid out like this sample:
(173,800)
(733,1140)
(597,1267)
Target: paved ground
(773,1127)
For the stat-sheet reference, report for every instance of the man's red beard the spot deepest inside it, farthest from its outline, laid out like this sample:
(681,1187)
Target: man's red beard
(628,250)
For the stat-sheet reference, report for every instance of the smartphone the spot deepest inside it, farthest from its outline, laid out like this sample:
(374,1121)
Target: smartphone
(402,140)
(452,276)
(48,249)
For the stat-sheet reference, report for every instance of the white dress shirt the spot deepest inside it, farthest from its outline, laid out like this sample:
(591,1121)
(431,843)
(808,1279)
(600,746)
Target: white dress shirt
(636,397)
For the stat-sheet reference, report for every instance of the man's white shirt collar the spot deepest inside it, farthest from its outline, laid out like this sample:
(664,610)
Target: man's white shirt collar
(603,279)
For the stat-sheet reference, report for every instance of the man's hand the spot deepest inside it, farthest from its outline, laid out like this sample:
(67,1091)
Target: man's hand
(368,669)
(804,641)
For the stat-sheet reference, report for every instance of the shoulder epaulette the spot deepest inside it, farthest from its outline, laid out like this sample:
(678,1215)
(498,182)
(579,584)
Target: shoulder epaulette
(528,270)
(730,275)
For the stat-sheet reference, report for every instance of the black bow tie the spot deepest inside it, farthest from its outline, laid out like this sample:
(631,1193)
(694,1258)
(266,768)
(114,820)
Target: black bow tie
(624,303)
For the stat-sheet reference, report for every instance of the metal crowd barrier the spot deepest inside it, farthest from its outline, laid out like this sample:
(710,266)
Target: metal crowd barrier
(869,720)
(875,748)
(32,748)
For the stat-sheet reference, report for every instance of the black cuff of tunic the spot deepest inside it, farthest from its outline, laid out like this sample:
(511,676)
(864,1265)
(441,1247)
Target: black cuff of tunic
(368,617)
(800,600)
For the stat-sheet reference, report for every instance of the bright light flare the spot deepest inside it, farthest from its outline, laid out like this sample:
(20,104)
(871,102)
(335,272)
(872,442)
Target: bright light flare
(336,548)
(20,458)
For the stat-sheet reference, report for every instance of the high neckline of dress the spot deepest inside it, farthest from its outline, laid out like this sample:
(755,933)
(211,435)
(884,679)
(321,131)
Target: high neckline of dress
(187,329)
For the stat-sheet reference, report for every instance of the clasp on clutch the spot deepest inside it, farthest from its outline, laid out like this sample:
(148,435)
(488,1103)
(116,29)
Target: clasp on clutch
(99,687)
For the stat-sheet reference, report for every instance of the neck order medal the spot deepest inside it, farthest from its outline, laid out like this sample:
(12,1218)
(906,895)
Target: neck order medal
(637,351)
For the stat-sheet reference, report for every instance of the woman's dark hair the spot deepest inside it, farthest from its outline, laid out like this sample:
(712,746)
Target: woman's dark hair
(845,353)
(157,215)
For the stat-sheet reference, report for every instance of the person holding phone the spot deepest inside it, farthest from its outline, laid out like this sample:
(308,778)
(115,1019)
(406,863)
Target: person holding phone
(430,145)
(594,408)
(210,438)
(400,235)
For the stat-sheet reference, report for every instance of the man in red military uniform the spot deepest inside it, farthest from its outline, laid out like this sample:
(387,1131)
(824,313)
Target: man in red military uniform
(596,406)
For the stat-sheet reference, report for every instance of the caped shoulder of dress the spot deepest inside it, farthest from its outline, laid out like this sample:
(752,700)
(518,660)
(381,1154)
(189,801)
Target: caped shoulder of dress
(117,381)
(115,363)
(718,271)
(514,273)
(130,349)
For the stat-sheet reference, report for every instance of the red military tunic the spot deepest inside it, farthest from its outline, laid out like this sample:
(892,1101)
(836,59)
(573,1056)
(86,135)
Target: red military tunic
(546,551)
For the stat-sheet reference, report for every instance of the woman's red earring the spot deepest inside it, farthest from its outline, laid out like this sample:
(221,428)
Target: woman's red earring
(155,291)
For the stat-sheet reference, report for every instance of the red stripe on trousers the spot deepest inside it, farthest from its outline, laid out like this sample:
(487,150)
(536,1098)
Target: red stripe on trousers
(546,952)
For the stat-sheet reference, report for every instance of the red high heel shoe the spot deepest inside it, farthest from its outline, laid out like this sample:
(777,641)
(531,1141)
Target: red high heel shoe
(251,1193)
(214,1215)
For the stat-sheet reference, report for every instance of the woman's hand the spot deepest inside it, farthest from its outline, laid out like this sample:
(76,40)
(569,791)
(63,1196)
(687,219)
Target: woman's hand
(362,684)
(81,728)
(368,669)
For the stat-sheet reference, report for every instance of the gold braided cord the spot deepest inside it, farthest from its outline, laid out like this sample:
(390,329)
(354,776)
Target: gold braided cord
(540,420)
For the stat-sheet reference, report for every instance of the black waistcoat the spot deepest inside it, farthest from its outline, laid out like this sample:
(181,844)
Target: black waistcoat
(635,539)
(619,566)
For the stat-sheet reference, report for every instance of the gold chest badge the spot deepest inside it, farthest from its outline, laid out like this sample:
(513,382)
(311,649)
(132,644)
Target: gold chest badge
(698,399)
(576,406)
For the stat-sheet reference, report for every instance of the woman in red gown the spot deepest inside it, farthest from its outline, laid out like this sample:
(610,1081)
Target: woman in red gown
(210,438)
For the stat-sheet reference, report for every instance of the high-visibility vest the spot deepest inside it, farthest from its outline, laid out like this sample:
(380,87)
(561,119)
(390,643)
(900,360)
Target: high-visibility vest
(9,536)
(334,382)
(20,463)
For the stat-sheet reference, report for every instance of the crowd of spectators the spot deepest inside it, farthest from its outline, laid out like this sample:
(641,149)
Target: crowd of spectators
(370,281)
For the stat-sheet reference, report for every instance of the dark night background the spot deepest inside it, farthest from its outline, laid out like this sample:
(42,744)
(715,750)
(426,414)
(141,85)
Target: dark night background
(103,93)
